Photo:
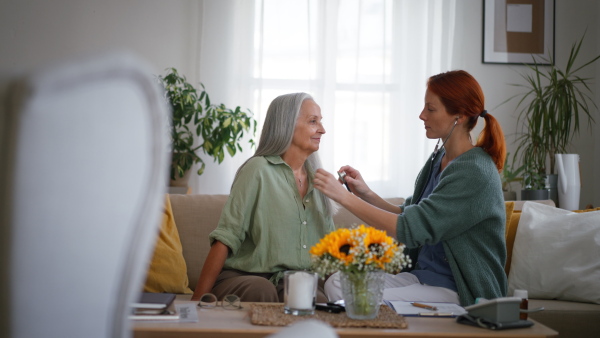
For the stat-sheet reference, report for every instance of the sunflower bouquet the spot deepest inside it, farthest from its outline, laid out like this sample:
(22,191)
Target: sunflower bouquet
(358,249)
(361,255)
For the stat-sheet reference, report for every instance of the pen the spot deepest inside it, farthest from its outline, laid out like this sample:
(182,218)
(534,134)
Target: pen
(436,314)
(424,306)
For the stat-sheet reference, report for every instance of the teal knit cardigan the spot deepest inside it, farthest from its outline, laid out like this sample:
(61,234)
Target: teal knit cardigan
(466,213)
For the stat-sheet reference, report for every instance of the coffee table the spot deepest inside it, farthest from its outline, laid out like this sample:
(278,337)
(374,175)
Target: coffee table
(221,323)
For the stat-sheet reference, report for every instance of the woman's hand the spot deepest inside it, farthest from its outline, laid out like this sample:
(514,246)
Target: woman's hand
(370,208)
(330,185)
(355,181)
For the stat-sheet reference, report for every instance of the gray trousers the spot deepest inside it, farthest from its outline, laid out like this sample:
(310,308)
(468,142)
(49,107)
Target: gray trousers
(254,287)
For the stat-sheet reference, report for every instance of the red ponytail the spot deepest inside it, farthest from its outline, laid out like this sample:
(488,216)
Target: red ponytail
(491,139)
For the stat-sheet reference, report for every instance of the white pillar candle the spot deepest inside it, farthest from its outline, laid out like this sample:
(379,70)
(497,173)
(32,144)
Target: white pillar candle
(301,290)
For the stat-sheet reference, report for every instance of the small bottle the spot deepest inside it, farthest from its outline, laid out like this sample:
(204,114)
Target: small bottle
(524,302)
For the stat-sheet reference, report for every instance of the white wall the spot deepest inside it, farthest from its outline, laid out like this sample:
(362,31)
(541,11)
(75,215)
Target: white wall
(36,32)
(572,19)
(166,33)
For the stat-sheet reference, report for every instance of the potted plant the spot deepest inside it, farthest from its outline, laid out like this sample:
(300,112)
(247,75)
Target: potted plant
(217,127)
(551,110)
(510,175)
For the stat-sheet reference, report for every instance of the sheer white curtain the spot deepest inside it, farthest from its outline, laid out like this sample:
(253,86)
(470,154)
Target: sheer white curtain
(365,62)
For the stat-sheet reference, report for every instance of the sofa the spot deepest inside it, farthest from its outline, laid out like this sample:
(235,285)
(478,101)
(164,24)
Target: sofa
(196,216)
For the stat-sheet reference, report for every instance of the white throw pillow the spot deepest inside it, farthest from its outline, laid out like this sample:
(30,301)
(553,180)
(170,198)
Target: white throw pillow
(556,254)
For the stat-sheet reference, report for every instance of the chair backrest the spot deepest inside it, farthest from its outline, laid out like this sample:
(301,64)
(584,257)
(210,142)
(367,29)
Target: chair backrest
(84,148)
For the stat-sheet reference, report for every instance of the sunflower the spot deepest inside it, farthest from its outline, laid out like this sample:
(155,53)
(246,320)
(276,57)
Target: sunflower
(380,246)
(337,244)
(360,248)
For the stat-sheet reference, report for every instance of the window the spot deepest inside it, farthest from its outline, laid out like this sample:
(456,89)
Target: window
(366,63)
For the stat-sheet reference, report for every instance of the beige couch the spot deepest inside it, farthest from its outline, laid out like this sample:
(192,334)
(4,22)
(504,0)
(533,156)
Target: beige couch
(197,215)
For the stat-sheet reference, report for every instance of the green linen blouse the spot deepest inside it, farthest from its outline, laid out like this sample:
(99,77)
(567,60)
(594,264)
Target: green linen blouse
(266,224)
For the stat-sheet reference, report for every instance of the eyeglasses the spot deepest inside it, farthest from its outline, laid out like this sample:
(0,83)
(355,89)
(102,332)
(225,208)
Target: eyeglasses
(229,302)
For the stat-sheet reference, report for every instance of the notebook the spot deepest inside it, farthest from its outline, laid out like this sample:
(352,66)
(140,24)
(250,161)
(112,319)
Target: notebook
(442,309)
(151,300)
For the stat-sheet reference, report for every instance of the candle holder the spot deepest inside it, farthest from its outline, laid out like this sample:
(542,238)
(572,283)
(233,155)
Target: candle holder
(300,292)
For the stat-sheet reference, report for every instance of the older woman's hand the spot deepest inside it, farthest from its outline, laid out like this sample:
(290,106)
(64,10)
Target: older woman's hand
(330,185)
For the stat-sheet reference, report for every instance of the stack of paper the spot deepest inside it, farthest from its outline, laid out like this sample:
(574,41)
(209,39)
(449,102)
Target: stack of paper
(425,309)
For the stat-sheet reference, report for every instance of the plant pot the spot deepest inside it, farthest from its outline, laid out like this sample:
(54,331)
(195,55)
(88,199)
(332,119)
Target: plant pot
(534,195)
(181,181)
(569,181)
(363,293)
(510,195)
(552,184)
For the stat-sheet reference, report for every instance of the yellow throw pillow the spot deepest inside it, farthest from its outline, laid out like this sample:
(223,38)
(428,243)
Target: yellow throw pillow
(511,233)
(510,207)
(167,272)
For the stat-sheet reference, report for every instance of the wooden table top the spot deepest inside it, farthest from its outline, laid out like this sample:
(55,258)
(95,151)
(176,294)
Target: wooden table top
(221,323)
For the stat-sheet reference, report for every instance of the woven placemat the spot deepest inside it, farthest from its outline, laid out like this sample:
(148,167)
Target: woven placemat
(272,315)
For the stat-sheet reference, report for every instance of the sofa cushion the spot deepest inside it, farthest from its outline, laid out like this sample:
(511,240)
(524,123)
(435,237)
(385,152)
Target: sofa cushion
(167,272)
(196,216)
(552,254)
(570,319)
(513,215)
(512,224)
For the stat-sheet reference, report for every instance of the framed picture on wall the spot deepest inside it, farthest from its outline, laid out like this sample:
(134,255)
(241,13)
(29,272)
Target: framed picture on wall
(518,31)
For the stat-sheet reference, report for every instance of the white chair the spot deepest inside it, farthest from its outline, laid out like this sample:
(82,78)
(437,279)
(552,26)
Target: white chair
(306,328)
(83,151)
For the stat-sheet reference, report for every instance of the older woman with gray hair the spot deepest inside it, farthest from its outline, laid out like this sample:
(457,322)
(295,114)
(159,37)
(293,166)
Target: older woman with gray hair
(273,215)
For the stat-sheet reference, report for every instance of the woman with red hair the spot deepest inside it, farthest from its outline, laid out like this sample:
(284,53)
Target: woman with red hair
(454,222)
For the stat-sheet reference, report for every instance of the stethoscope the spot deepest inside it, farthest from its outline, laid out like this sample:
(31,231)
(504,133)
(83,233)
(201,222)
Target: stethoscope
(433,156)
(435,151)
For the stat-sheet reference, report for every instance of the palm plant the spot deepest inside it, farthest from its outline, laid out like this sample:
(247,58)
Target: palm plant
(550,114)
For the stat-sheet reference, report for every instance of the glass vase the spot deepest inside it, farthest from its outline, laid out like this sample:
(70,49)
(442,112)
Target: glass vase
(363,293)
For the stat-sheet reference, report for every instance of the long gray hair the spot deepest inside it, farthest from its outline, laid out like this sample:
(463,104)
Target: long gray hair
(277,134)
